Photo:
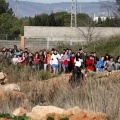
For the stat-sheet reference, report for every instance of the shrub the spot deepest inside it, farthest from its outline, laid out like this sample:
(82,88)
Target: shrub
(8,116)
(50,118)
(64,119)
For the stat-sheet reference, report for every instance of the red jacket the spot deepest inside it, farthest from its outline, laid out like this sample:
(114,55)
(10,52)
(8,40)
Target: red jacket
(23,63)
(71,63)
(90,64)
(45,59)
(65,62)
(36,61)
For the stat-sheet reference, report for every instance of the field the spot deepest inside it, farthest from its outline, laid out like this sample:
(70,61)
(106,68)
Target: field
(100,92)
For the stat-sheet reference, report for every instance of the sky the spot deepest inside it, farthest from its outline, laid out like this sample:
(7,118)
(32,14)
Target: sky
(56,1)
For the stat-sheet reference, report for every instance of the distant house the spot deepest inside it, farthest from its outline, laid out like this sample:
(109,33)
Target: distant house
(103,18)
(96,18)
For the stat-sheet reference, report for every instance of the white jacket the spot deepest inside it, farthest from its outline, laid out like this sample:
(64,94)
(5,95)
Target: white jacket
(78,63)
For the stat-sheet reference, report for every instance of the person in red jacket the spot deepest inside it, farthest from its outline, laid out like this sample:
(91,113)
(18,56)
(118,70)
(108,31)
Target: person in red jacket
(90,63)
(65,60)
(22,60)
(36,60)
(71,62)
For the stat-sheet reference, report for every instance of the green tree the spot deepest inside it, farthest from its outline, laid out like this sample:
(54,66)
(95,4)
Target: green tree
(99,22)
(52,21)
(31,21)
(83,19)
(106,23)
(4,7)
(44,20)
(59,18)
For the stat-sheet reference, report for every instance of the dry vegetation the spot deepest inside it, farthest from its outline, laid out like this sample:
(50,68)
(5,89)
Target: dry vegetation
(100,94)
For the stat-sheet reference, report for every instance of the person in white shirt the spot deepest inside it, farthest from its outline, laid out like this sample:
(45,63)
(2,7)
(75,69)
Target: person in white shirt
(55,61)
(78,60)
(14,60)
(77,69)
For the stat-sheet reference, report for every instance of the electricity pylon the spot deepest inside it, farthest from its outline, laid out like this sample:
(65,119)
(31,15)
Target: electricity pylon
(16,8)
(74,13)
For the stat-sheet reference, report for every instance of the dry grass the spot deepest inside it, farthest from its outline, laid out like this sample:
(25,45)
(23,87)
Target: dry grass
(100,94)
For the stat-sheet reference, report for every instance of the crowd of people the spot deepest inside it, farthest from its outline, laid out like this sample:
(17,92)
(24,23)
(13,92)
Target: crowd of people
(61,63)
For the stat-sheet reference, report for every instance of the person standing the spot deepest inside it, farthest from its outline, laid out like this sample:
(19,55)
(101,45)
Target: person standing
(90,63)
(71,62)
(45,60)
(36,60)
(55,61)
(65,60)
(111,65)
(117,63)
(100,65)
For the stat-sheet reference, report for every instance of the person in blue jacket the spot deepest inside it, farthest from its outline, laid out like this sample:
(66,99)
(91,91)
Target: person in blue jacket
(100,65)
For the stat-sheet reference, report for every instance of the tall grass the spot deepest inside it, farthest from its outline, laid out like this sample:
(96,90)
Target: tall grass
(97,95)
(17,73)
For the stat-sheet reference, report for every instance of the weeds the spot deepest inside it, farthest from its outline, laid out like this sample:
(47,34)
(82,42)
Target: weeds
(8,116)
(100,94)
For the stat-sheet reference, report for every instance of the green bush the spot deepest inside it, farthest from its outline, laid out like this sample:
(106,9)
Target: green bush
(64,119)
(3,115)
(8,116)
(50,118)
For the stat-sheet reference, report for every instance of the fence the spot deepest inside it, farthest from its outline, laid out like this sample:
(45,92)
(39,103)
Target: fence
(9,43)
(35,44)
(10,36)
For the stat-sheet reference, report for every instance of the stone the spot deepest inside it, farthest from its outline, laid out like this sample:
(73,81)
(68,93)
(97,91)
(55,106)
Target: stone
(43,112)
(2,76)
(19,112)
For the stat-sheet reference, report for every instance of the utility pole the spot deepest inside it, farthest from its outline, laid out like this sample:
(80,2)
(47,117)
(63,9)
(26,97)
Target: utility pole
(16,8)
(74,13)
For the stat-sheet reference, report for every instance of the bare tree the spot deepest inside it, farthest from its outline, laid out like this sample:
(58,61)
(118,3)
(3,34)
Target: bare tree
(89,32)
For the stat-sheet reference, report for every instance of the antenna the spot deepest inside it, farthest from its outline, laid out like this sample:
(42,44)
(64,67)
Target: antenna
(74,13)
(16,8)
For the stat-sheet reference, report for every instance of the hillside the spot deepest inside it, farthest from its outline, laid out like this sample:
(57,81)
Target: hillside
(26,9)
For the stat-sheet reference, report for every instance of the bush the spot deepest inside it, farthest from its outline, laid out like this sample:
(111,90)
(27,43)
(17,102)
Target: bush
(8,116)
(50,118)
(64,119)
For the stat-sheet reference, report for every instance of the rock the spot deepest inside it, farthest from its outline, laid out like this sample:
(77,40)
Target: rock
(40,112)
(78,116)
(88,115)
(2,76)
(43,112)
(19,112)
(10,87)
(3,79)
